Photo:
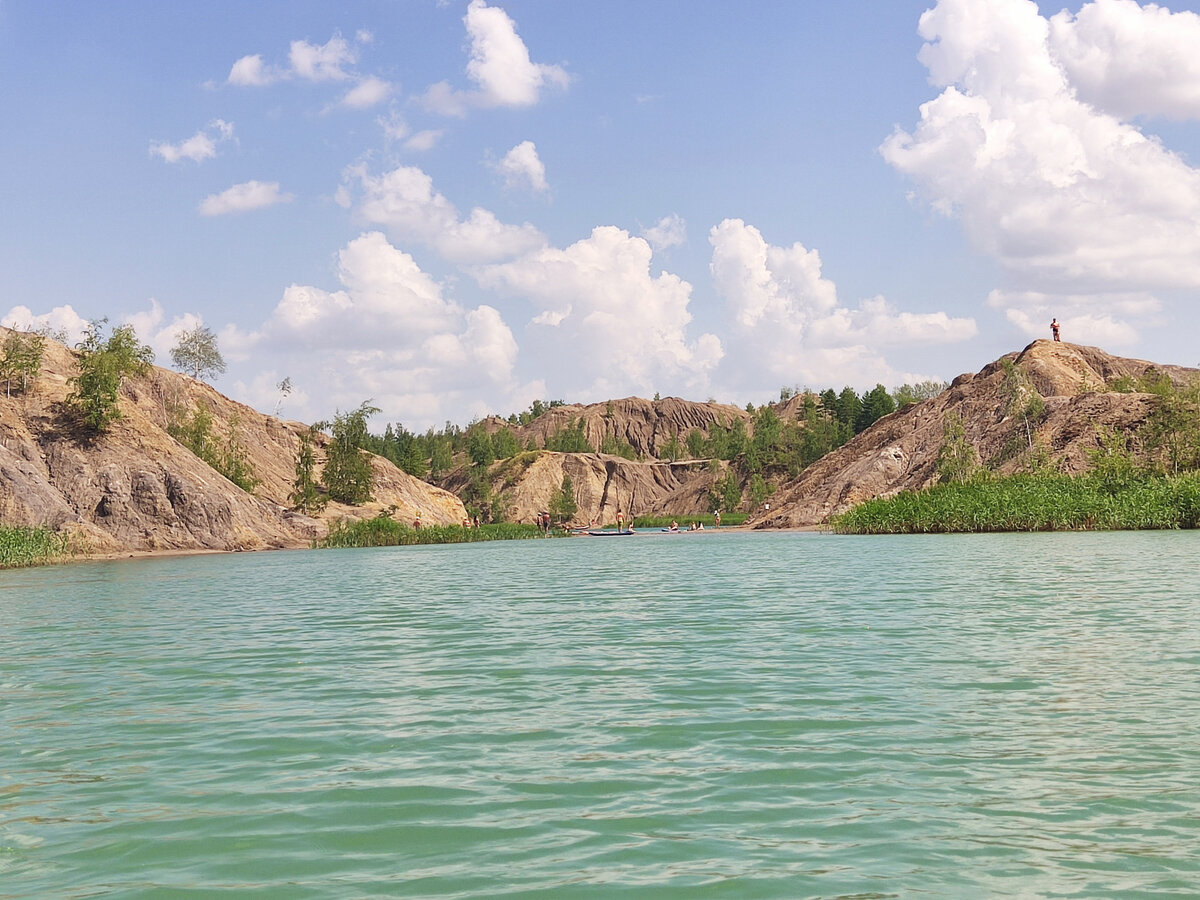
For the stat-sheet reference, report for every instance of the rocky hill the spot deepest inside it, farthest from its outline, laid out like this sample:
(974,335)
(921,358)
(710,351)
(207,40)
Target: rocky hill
(647,426)
(900,451)
(603,484)
(135,487)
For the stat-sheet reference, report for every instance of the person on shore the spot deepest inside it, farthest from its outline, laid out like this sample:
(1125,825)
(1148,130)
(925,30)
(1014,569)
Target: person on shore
(717,519)
(1054,326)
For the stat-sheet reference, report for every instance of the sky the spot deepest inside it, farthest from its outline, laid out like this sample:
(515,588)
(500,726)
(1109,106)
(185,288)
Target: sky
(452,209)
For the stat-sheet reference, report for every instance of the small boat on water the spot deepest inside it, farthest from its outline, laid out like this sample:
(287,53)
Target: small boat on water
(624,533)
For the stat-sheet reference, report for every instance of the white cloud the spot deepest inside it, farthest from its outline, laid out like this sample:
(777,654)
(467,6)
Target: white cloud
(424,140)
(787,318)
(244,197)
(1069,199)
(1085,318)
(603,324)
(500,67)
(405,202)
(1131,60)
(389,333)
(161,338)
(321,62)
(250,71)
(316,63)
(522,169)
(200,146)
(369,91)
(60,319)
(671,231)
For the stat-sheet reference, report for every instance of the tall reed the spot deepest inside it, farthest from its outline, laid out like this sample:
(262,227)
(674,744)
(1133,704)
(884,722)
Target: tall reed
(383,531)
(1045,502)
(23,546)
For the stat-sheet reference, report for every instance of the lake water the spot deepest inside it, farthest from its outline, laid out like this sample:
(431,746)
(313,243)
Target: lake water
(697,715)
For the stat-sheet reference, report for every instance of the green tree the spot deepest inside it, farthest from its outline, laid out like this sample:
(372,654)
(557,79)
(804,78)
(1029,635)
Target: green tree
(306,496)
(876,403)
(21,358)
(908,394)
(505,443)
(347,472)
(563,506)
(196,353)
(479,446)
(957,460)
(103,367)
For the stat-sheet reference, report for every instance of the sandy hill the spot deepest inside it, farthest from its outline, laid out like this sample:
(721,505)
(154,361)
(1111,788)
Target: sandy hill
(137,488)
(899,452)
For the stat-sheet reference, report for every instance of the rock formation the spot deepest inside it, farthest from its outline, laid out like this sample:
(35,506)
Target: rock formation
(135,487)
(603,485)
(648,426)
(899,452)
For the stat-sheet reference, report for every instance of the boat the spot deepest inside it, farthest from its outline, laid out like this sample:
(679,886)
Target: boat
(624,533)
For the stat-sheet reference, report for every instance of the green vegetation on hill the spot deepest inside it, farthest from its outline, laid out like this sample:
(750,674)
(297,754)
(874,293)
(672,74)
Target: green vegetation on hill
(1144,478)
(1028,502)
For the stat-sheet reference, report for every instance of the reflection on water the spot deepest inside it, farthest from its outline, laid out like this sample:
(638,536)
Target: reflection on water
(715,714)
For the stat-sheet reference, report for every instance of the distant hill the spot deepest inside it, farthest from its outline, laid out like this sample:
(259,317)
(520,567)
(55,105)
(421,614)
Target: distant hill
(900,451)
(136,488)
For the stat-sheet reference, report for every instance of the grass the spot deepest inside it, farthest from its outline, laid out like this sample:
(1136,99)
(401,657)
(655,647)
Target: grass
(1049,502)
(21,547)
(685,521)
(383,531)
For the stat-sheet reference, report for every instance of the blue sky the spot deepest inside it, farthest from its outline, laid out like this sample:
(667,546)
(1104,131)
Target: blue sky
(455,208)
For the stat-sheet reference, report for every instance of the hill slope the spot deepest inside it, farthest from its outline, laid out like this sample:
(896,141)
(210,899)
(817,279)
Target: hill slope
(137,488)
(900,451)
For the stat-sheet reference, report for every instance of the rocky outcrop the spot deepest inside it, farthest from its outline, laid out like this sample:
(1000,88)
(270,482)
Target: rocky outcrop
(900,451)
(135,487)
(648,426)
(603,485)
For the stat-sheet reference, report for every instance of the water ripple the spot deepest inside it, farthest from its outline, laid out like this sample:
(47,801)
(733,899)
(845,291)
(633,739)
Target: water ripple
(723,715)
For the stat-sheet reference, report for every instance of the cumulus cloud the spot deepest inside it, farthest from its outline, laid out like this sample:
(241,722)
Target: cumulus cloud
(787,317)
(388,333)
(521,169)
(406,203)
(60,320)
(316,63)
(249,195)
(602,322)
(321,62)
(1030,313)
(1025,145)
(161,338)
(424,140)
(200,146)
(369,91)
(671,231)
(251,71)
(1131,60)
(500,67)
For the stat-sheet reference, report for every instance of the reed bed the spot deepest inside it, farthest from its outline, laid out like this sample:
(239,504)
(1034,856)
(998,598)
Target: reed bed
(706,520)
(21,547)
(1051,502)
(384,531)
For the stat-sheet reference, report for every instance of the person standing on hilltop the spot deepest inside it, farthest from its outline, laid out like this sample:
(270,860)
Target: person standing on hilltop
(1054,329)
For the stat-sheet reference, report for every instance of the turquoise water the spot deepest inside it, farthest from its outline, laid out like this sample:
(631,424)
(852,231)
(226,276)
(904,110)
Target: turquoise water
(708,715)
